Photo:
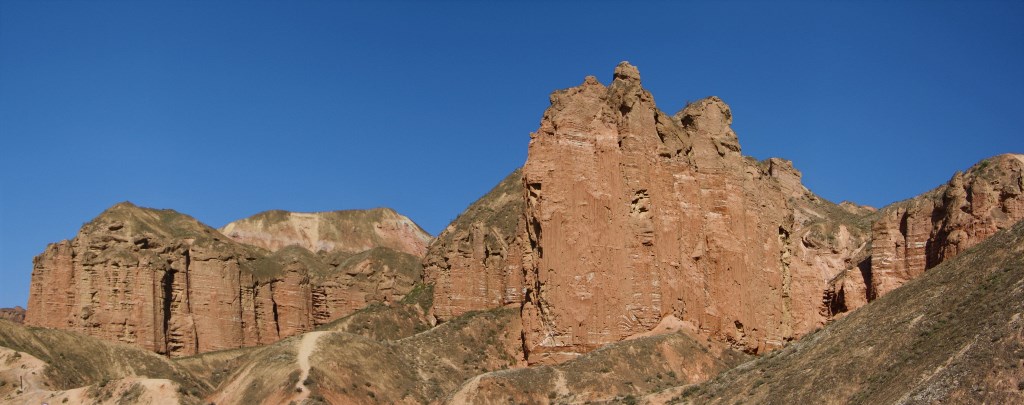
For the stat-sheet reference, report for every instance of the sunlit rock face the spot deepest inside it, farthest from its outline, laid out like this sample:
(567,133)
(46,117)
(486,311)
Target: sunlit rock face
(631,217)
(918,234)
(165,282)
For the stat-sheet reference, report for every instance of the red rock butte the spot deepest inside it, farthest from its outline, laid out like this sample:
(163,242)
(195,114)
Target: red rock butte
(627,218)
(163,281)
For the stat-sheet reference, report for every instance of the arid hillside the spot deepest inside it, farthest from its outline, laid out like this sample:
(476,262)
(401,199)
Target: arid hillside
(351,231)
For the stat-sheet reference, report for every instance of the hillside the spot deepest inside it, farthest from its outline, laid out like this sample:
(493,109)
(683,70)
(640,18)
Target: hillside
(350,231)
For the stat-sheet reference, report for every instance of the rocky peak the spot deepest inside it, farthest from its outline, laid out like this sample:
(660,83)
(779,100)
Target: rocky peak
(788,177)
(857,209)
(917,234)
(626,72)
(126,220)
(633,217)
(708,124)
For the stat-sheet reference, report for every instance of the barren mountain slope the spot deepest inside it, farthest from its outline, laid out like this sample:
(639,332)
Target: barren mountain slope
(46,365)
(349,368)
(616,372)
(350,231)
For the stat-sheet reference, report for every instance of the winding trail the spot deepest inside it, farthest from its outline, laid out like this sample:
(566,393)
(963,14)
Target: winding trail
(306,347)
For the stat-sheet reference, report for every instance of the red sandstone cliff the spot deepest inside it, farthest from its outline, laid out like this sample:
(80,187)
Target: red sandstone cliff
(165,282)
(474,262)
(631,217)
(918,234)
(625,218)
(634,216)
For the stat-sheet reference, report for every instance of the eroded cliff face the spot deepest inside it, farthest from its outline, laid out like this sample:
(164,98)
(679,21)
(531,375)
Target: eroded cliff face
(633,215)
(627,217)
(350,231)
(165,282)
(918,234)
(474,262)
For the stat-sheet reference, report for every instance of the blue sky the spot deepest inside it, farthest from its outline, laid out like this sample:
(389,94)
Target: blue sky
(224,110)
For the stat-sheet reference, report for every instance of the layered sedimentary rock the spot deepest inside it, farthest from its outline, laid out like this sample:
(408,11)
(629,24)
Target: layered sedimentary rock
(165,282)
(953,335)
(350,231)
(474,262)
(915,235)
(349,283)
(632,216)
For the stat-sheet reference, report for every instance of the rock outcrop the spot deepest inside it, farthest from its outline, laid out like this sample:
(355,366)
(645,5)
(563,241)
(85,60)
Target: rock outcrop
(626,216)
(953,335)
(16,314)
(631,216)
(350,231)
(918,234)
(165,282)
(474,262)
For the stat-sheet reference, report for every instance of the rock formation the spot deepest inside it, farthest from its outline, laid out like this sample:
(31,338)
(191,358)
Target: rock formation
(165,282)
(474,262)
(16,314)
(350,231)
(918,234)
(953,335)
(631,216)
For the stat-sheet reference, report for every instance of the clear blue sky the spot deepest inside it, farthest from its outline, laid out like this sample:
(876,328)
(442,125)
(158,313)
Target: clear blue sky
(224,110)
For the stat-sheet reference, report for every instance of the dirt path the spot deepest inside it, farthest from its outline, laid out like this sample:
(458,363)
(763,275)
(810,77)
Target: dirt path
(306,347)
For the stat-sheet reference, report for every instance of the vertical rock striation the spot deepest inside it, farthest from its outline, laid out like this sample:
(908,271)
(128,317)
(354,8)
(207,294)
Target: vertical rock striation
(633,216)
(474,262)
(165,282)
(628,218)
(918,234)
